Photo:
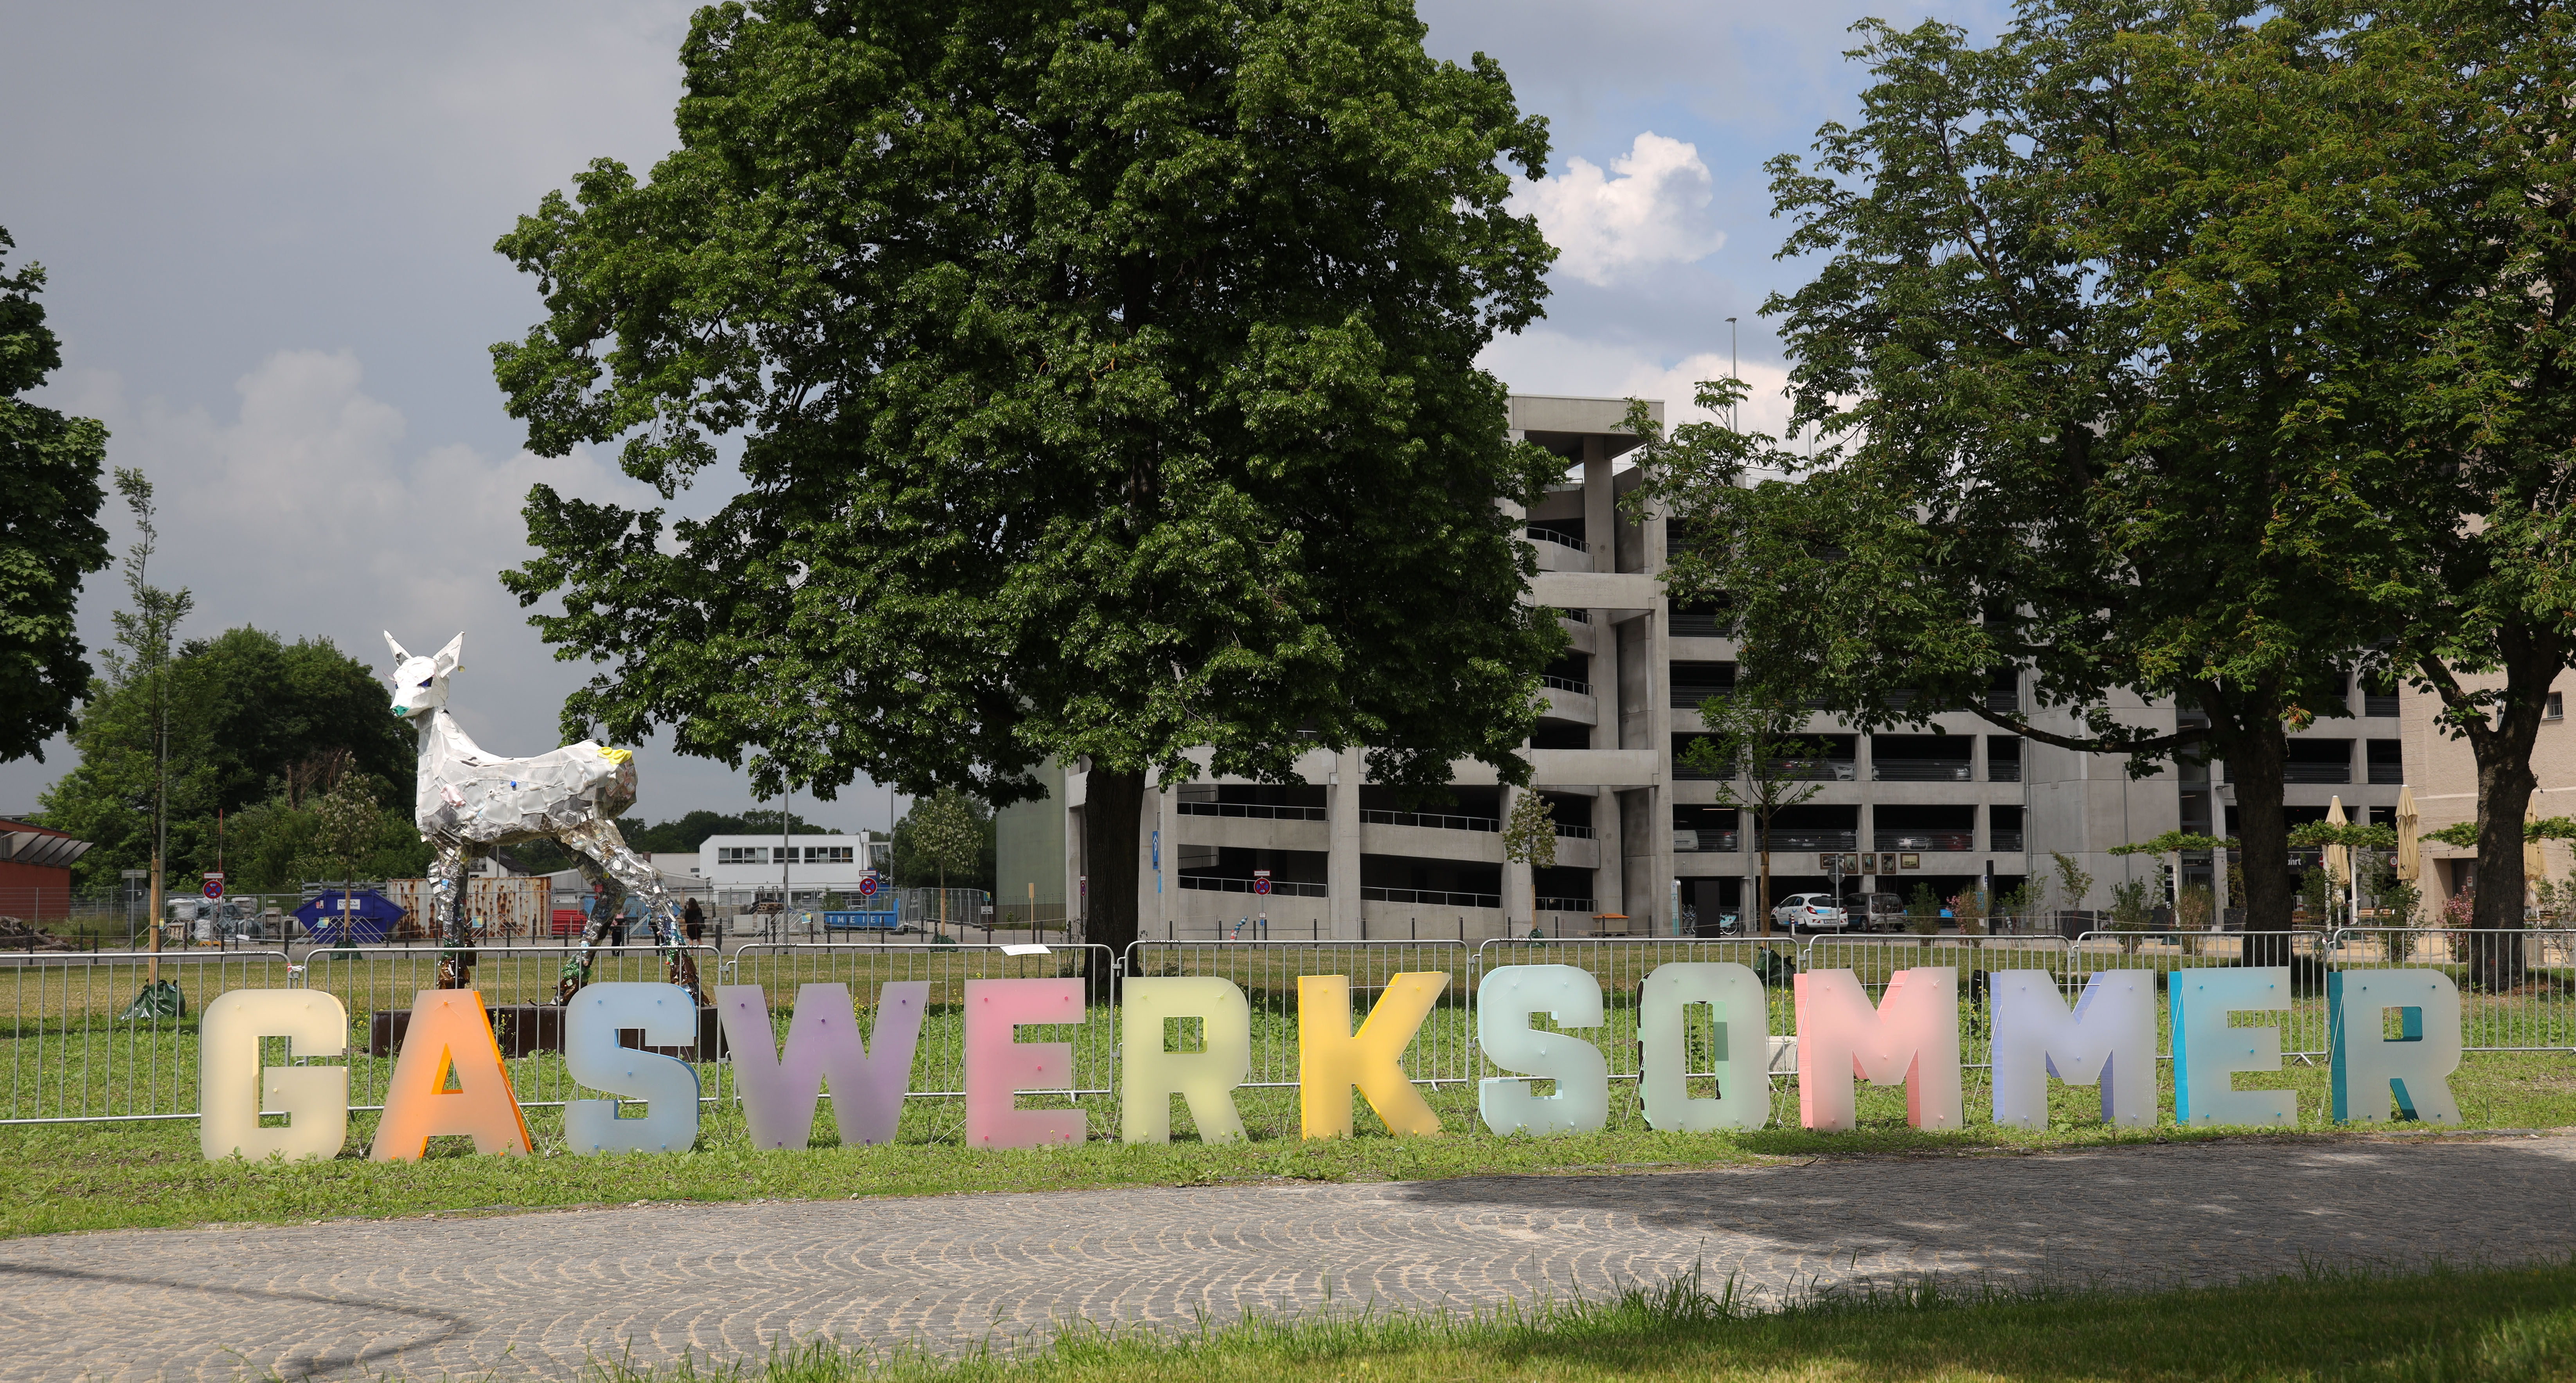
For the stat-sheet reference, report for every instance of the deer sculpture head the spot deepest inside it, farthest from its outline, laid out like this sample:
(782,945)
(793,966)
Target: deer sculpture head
(420,684)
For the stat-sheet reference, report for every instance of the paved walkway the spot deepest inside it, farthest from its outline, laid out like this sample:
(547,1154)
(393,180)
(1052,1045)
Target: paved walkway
(534,1294)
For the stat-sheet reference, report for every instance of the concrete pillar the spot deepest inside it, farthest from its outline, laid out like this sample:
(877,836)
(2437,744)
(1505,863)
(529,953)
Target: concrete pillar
(1167,897)
(1609,877)
(1516,876)
(1342,864)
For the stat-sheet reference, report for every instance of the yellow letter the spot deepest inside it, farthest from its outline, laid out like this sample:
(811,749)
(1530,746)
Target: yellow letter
(448,1024)
(1331,1059)
(316,1098)
(1206,1077)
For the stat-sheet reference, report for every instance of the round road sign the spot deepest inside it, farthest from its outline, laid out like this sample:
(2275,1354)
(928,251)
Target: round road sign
(214,888)
(1261,886)
(868,886)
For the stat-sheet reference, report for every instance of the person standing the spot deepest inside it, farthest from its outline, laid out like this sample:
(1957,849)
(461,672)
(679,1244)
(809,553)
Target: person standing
(693,922)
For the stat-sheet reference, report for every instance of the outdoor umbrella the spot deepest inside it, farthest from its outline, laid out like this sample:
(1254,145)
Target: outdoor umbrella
(2338,858)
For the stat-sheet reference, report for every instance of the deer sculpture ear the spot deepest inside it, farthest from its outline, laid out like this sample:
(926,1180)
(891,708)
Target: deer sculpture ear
(401,654)
(452,657)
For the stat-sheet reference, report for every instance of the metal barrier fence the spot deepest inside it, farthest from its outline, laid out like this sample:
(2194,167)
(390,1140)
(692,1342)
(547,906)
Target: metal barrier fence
(379,985)
(2303,1029)
(113,1035)
(85,1041)
(935,1106)
(2536,1015)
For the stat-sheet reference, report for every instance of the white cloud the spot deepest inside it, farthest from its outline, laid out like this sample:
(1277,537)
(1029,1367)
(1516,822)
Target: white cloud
(1654,212)
(306,514)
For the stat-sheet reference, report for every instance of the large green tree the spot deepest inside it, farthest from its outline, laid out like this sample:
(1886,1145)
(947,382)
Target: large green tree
(1104,386)
(2025,459)
(2478,473)
(50,467)
(249,717)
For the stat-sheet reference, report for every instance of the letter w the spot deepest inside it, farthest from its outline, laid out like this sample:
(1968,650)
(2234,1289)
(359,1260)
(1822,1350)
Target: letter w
(2109,1039)
(868,1083)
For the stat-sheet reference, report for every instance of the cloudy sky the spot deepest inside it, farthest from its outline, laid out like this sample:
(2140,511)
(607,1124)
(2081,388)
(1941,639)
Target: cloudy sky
(268,229)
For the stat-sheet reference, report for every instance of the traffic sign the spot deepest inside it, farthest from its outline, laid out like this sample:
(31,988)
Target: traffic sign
(1261,881)
(214,887)
(868,886)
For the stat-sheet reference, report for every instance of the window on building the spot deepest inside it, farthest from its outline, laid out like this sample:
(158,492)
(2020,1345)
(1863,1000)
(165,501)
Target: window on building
(2387,761)
(2556,708)
(742,854)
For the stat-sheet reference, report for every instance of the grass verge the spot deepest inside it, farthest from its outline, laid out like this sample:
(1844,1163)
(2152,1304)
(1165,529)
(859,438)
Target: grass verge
(2448,1324)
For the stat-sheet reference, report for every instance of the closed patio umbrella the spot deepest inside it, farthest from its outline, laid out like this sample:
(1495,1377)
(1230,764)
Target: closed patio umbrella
(2338,858)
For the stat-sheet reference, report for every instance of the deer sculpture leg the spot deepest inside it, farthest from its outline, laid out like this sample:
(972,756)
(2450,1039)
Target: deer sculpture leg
(447,921)
(620,871)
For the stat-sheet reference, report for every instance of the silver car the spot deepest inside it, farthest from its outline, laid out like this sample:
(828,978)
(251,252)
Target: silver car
(1808,912)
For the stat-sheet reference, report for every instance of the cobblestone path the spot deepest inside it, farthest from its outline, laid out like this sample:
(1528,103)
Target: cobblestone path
(535,1294)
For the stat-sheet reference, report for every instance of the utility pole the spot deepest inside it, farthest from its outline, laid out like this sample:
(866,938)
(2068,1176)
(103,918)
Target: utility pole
(1734,371)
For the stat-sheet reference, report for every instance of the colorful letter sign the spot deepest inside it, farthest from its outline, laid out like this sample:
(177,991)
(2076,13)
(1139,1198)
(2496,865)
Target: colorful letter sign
(667,1015)
(780,1090)
(1504,1003)
(2109,1040)
(1205,1078)
(1331,1059)
(998,1067)
(449,1036)
(1740,1047)
(2208,1050)
(1912,1036)
(315,1098)
(2413,1068)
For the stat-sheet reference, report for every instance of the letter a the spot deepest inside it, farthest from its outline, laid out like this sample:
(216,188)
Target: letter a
(1331,1059)
(449,1034)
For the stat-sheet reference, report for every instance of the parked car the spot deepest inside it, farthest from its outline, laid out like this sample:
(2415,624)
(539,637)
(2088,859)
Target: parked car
(1810,912)
(1876,912)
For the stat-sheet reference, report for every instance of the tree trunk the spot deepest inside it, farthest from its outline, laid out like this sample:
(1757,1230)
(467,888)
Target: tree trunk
(2505,784)
(1113,803)
(2256,756)
(2501,740)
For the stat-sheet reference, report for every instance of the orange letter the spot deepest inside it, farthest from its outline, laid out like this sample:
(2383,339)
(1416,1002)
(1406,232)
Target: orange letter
(1331,1058)
(447,1024)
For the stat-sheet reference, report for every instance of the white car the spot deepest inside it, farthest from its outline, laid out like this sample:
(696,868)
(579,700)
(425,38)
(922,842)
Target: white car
(1808,912)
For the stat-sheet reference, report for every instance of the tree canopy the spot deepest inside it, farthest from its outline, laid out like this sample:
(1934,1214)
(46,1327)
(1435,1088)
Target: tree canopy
(2039,443)
(251,717)
(50,538)
(1104,383)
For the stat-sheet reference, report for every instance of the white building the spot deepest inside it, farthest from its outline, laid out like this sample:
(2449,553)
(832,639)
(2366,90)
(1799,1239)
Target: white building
(745,869)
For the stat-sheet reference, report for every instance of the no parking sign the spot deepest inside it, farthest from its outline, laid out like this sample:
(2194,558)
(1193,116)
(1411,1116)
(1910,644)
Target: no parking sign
(868,886)
(1261,881)
(214,887)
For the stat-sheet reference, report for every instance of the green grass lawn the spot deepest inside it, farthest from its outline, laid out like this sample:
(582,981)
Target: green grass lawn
(68,1177)
(2503,1325)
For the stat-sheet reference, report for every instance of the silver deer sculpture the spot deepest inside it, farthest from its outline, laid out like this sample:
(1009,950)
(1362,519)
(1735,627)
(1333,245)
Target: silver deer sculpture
(471,802)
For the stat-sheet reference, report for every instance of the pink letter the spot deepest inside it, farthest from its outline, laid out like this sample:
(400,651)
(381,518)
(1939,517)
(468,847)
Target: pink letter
(1912,1036)
(998,1068)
